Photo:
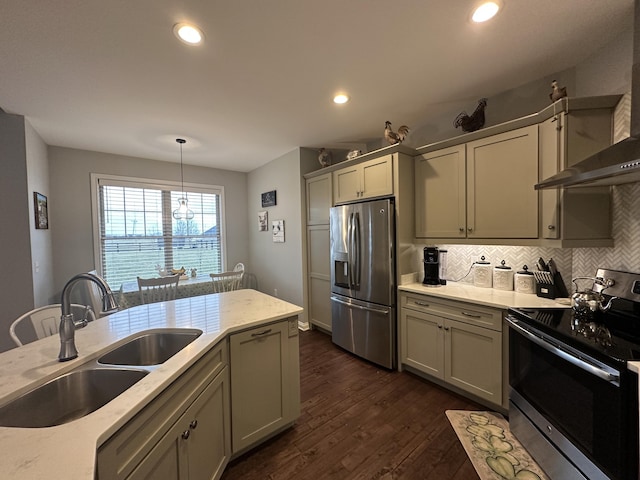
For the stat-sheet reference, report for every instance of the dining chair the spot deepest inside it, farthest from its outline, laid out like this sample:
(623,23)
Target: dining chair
(226,281)
(45,321)
(158,289)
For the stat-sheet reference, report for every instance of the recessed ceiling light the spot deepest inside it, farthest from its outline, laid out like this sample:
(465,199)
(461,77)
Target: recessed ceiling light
(341,98)
(189,34)
(485,12)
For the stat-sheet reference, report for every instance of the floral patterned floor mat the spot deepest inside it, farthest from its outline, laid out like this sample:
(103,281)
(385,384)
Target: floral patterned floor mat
(495,453)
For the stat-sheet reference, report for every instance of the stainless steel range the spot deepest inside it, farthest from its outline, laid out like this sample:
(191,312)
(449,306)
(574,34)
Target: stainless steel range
(573,403)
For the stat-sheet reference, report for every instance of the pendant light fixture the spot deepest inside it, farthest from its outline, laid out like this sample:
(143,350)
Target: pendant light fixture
(183,212)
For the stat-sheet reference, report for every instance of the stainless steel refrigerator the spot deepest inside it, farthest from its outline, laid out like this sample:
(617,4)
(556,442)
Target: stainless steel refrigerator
(363,287)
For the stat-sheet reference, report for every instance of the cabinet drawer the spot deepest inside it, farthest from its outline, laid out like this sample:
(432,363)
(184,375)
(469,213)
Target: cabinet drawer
(121,453)
(464,312)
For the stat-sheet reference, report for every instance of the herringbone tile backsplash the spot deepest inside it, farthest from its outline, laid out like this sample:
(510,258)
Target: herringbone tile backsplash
(624,255)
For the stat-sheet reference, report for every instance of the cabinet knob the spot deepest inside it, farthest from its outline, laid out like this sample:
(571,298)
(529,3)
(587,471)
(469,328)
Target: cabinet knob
(186,434)
(439,326)
(446,328)
(551,227)
(469,229)
(461,229)
(193,424)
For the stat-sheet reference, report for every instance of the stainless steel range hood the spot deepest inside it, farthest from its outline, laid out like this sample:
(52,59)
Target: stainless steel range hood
(619,163)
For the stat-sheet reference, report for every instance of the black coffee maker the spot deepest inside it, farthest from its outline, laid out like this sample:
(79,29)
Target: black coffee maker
(434,265)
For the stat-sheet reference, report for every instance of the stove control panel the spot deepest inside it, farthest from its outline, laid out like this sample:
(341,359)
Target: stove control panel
(625,284)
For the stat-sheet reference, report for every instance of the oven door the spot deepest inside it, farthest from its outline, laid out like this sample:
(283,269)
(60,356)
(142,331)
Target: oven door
(578,405)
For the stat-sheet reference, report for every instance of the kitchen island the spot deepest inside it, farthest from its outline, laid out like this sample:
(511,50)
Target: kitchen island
(69,450)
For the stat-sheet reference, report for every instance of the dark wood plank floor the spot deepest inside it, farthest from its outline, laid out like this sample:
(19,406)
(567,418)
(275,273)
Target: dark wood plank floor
(362,422)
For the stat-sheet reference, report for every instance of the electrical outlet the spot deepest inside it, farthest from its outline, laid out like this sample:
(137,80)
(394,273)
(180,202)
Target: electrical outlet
(275,292)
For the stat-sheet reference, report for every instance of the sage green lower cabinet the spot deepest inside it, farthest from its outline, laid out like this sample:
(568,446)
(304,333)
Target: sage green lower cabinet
(457,343)
(196,447)
(265,382)
(184,433)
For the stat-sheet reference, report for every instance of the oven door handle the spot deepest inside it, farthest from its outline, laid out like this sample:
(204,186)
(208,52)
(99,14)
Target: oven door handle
(578,362)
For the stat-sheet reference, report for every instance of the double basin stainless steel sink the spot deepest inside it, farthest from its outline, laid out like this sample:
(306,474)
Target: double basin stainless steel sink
(92,385)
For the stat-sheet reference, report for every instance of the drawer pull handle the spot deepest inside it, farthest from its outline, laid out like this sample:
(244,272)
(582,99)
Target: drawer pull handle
(261,334)
(185,434)
(193,424)
(471,315)
(422,304)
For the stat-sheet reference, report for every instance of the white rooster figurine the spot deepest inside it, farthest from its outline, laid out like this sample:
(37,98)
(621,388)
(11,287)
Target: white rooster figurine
(393,137)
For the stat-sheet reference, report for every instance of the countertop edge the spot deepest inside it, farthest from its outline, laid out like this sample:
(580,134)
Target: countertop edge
(488,297)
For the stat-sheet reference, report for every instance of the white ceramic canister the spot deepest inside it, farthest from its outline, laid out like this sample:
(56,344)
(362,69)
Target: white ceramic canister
(502,277)
(482,273)
(524,281)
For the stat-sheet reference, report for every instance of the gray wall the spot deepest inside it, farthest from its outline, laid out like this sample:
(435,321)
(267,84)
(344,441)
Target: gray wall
(41,240)
(71,221)
(278,266)
(16,294)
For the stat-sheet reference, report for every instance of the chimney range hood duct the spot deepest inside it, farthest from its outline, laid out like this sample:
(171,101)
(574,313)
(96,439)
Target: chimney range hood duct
(619,163)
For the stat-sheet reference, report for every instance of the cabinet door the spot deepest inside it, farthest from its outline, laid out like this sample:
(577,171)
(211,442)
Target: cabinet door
(319,263)
(440,194)
(318,199)
(377,177)
(346,184)
(473,360)
(208,421)
(422,342)
(260,380)
(501,173)
(550,145)
(167,459)
(198,445)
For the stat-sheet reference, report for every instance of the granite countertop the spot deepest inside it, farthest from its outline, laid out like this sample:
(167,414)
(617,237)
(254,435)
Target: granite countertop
(489,297)
(69,450)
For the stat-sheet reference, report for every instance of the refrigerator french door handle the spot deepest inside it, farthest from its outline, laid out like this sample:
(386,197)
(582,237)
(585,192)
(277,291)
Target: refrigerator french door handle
(356,249)
(349,250)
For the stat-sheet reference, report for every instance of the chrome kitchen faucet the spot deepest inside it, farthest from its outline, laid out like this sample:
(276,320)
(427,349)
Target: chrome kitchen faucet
(68,349)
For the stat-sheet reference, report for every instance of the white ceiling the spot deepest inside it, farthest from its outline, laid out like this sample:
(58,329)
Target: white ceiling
(109,75)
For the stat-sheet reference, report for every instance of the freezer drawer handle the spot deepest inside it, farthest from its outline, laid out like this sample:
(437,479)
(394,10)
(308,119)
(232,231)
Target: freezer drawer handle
(360,307)
(578,362)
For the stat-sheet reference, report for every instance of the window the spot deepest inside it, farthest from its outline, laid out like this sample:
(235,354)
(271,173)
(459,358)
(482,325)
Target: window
(137,234)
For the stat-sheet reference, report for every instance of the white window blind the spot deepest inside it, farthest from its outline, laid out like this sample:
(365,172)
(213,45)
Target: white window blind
(138,234)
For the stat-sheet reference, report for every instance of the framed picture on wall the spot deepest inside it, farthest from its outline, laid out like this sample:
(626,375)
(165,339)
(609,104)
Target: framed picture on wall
(278,231)
(40,209)
(263,221)
(269,199)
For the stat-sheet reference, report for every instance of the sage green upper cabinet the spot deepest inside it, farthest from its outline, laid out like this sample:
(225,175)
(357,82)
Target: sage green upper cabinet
(318,199)
(575,215)
(373,178)
(481,189)
(501,173)
(441,185)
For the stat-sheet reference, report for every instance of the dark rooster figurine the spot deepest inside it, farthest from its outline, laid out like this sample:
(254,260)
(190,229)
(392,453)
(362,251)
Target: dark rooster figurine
(557,92)
(473,122)
(393,137)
